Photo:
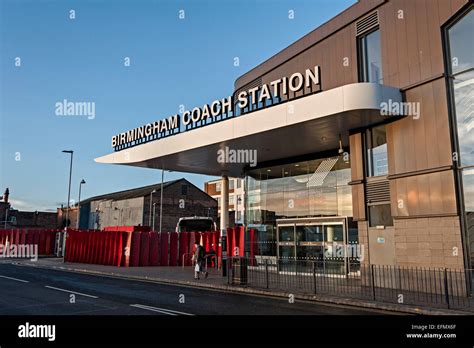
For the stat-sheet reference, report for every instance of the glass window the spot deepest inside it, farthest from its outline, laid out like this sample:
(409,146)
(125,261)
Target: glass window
(377,158)
(239,183)
(468,188)
(463,85)
(218,187)
(380,215)
(311,188)
(334,233)
(231,184)
(309,233)
(461,52)
(461,44)
(370,62)
(287,234)
(461,57)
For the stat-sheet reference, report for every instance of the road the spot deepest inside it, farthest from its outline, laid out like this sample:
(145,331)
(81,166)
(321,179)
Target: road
(33,291)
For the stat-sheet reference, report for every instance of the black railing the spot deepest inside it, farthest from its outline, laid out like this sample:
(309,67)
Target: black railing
(432,287)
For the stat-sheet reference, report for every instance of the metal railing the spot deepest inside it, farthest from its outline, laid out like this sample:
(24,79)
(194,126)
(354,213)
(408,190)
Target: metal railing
(433,287)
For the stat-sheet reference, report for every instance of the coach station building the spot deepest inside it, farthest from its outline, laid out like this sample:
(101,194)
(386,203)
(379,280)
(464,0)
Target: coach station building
(363,132)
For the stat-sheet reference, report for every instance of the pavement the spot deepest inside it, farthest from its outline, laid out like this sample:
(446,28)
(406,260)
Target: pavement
(182,278)
(46,291)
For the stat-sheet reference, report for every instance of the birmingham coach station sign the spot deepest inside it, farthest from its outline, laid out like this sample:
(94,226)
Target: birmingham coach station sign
(252,99)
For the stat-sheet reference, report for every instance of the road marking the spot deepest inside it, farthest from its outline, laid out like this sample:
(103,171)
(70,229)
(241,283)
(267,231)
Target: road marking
(159,310)
(18,280)
(69,291)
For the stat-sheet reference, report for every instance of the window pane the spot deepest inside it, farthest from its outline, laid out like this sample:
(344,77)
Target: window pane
(287,234)
(461,43)
(380,215)
(468,188)
(377,152)
(334,233)
(371,62)
(463,97)
(309,233)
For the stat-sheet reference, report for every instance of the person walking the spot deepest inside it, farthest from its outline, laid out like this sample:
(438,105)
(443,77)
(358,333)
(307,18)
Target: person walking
(200,260)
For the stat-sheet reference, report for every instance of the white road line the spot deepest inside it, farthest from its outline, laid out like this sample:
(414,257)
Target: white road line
(70,292)
(18,280)
(160,310)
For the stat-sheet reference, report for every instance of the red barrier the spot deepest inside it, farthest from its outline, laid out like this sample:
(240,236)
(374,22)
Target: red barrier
(127,229)
(87,249)
(112,246)
(230,242)
(42,243)
(36,239)
(241,240)
(183,248)
(126,248)
(173,248)
(144,248)
(164,238)
(154,249)
(47,243)
(135,249)
(192,240)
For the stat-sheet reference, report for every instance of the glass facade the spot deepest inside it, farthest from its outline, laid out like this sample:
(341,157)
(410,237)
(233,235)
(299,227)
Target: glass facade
(461,58)
(314,188)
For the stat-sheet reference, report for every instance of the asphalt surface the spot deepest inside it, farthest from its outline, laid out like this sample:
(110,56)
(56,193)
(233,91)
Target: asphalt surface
(33,291)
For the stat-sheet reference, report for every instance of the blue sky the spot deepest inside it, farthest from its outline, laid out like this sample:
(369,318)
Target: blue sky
(173,62)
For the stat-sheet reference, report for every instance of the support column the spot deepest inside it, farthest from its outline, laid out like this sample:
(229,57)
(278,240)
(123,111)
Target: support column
(224,221)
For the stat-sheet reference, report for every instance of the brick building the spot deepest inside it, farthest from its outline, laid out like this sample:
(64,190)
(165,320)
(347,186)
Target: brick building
(13,218)
(136,206)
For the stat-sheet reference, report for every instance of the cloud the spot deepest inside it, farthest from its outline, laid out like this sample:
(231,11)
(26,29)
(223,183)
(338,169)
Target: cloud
(25,206)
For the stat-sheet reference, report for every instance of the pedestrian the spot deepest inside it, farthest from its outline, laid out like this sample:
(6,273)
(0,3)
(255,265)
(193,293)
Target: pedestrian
(200,260)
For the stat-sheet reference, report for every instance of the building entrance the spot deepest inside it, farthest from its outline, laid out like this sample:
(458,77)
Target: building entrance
(314,241)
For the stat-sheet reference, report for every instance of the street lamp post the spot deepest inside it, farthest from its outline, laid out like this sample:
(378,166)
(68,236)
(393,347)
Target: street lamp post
(151,202)
(68,198)
(69,188)
(79,203)
(154,214)
(161,198)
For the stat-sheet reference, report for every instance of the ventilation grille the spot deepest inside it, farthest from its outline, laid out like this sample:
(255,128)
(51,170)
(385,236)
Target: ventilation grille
(378,191)
(367,23)
(254,83)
